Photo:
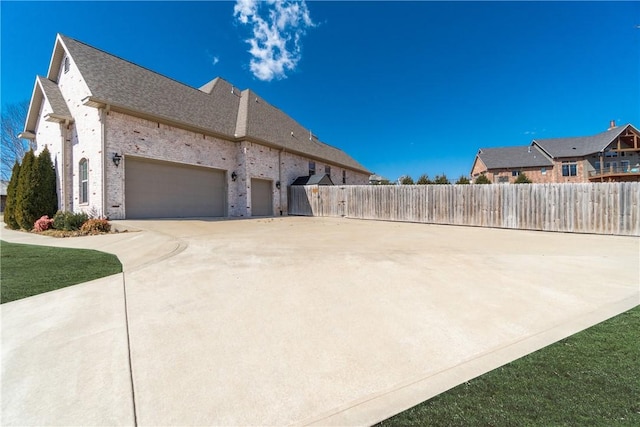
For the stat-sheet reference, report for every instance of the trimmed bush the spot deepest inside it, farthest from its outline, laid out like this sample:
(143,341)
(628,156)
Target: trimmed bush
(522,179)
(95,226)
(43,224)
(12,191)
(441,179)
(406,180)
(69,221)
(46,196)
(424,180)
(26,211)
(482,179)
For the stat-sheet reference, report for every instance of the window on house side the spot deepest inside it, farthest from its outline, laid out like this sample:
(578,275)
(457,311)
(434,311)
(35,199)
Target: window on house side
(327,170)
(543,171)
(569,169)
(312,168)
(515,173)
(344,177)
(66,64)
(84,181)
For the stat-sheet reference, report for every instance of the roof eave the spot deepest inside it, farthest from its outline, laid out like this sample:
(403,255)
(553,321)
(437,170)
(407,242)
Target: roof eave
(92,101)
(27,135)
(300,153)
(58,118)
(56,58)
(37,96)
(475,161)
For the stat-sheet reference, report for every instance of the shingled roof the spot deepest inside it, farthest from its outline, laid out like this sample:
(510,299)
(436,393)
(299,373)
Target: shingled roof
(217,108)
(581,145)
(513,157)
(46,89)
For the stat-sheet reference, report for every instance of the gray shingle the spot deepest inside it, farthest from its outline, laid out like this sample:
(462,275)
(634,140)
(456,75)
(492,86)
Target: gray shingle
(579,146)
(216,107)
(513,157)
(54,96)
(268,123)
(126,85)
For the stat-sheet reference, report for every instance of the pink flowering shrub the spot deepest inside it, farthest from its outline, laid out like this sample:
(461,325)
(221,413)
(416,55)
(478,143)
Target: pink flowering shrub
(42,224)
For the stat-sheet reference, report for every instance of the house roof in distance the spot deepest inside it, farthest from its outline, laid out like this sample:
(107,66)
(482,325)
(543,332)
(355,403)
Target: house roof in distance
(217,108)
(513,157)
(581,145)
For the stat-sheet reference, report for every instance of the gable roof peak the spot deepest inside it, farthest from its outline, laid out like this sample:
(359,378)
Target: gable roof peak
(216,83)
(579,146)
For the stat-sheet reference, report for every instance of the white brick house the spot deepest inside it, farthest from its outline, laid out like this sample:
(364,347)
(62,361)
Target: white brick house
(130,143)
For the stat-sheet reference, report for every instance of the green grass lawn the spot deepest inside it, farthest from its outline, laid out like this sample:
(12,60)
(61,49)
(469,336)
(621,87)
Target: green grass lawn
(589,379)
(30,270)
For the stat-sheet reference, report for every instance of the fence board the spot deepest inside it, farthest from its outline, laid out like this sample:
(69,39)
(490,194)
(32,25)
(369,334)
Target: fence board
(601,208)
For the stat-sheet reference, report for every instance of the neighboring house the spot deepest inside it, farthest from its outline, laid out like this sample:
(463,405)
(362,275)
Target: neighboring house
(613,155)
(3,194)
(130,143)
(378,179)
(503,165)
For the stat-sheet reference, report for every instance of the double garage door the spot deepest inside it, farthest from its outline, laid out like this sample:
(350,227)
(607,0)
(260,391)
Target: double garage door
(156,189)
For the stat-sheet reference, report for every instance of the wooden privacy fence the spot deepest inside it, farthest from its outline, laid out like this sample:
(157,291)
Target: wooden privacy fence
(602,208)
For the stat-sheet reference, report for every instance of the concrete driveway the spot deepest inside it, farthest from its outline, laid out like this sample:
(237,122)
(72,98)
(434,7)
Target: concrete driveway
(296,321)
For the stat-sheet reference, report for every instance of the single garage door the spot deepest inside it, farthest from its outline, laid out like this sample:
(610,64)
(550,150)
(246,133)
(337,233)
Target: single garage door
(261,197)
(156,189)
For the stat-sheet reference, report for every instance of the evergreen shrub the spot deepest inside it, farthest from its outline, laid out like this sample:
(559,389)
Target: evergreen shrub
(69,221)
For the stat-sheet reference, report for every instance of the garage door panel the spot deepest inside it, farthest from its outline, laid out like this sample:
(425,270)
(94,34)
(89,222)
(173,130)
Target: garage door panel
(261,197)
(155,189)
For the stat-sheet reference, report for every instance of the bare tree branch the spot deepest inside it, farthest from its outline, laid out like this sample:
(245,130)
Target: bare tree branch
(13,148)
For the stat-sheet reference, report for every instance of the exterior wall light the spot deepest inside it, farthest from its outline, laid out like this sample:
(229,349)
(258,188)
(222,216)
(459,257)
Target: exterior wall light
(278,185)
(116,159)
(234,176)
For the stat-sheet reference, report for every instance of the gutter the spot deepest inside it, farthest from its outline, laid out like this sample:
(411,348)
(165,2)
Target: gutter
(98,103)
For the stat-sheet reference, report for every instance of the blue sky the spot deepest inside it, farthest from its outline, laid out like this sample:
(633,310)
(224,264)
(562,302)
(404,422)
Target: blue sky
(403,87)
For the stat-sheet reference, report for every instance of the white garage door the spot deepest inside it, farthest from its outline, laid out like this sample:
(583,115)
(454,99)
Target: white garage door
(261,197)
(156,189)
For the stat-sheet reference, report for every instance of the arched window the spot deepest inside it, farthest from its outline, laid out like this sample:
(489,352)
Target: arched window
(84,181)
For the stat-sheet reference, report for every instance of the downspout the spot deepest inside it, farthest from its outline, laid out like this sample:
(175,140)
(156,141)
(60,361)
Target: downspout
(63,166)
(280,177)
(103,132)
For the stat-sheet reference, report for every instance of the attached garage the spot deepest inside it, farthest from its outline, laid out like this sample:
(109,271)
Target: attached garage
(261,197)
(158,189)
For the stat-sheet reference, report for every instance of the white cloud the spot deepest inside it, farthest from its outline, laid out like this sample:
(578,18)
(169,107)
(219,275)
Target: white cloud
(215,60)
(277,28)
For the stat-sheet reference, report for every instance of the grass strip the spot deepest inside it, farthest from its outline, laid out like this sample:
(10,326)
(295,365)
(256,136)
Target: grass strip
(29,270)
(591,378)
